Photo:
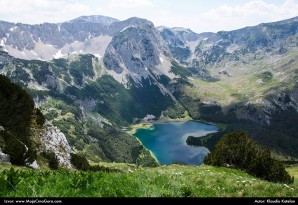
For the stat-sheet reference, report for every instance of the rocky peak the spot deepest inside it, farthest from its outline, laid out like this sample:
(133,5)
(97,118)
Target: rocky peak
(104,20)
(135,21)
(135,48)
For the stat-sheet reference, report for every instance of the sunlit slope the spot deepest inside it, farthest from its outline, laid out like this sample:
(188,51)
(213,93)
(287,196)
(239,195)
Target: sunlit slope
(131,181)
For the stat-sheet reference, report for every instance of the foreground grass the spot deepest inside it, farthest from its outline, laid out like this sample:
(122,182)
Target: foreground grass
(163,181)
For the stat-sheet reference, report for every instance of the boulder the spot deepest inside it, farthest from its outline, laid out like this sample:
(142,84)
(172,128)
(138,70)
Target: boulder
(4,157)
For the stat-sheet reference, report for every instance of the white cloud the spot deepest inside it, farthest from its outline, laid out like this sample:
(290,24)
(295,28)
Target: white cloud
(130,3)
(227,17)
(185,14)
(37,11)
(251,13)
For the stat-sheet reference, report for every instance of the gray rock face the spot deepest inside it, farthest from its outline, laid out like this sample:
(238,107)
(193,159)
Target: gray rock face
(51,81)
(54,140)
(88,104)
(177,36)
(23,36)
(268,107)
(135,48)
(43,41)
(183,42)
(4,157)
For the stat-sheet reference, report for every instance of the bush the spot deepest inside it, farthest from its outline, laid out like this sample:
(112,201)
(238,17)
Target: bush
(241,152)
(16,115)
(14,148)
(53,160)
(79,162)
(40,118)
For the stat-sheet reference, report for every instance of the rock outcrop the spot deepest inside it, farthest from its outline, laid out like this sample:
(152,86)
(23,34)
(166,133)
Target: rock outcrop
(55,141)
(4,157)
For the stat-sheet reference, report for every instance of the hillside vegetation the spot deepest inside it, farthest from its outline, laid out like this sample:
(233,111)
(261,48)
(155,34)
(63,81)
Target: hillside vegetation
(87,106)
(129,181)
(18,117)
(239,151)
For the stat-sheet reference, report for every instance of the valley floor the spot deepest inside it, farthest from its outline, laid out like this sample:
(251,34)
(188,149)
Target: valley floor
(131,181)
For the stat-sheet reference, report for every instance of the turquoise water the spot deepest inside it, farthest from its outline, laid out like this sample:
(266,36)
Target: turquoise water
(167,141)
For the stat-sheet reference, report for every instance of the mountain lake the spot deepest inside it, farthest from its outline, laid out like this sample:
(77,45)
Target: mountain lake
(167,141)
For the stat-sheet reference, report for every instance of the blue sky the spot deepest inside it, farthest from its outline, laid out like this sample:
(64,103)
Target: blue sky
(198,15)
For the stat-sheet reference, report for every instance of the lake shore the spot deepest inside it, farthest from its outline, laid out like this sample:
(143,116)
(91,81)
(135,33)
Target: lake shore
(166,140)
(149,125)
(134,127)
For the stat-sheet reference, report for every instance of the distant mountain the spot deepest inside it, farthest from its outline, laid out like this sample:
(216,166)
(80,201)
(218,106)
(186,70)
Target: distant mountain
(86,34)
(212,49)
(103,20)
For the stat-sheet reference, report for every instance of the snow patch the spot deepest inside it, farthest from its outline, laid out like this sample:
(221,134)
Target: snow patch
(58,55)
(164,68)
(2,42)
(181,29)
(128,28)
(13,28)
(36,86)
(97,55)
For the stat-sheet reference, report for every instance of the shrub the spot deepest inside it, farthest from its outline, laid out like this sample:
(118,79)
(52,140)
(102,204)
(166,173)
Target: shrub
(80,162)
(53,160)
(40,118)
(14,148)
(241,152)
(16,115)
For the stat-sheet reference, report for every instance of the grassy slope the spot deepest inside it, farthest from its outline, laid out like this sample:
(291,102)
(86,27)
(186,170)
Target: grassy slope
(245,83)
(163,181)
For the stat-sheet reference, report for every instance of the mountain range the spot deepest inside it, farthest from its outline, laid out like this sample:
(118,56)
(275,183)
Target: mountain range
(93,76)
